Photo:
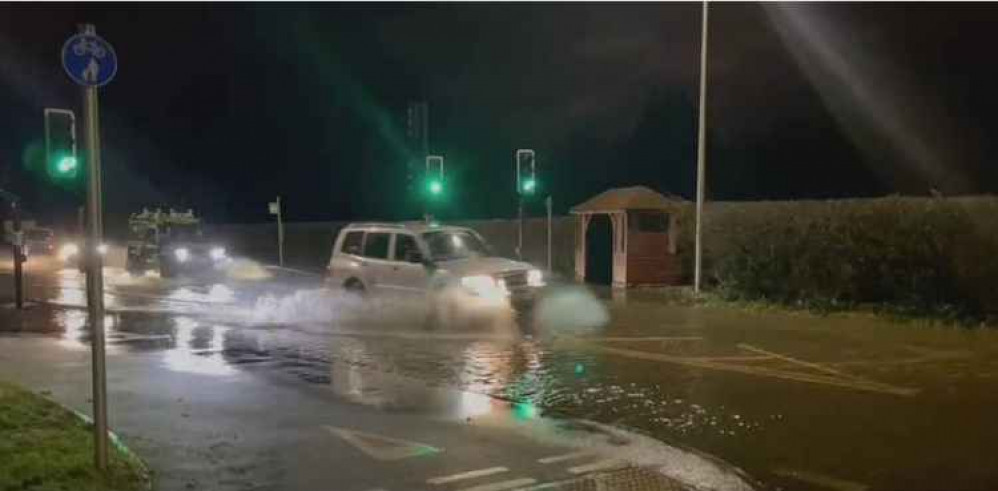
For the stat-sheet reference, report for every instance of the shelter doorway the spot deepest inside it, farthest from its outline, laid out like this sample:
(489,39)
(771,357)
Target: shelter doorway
(599,251)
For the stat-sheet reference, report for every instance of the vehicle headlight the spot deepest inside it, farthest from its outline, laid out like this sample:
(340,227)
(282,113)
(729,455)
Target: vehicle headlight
(484,286)
(102,249)
(182,254)
(217,253)
(535,278)
(68,250)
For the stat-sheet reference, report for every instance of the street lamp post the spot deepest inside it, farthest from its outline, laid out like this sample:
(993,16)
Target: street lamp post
(701,154)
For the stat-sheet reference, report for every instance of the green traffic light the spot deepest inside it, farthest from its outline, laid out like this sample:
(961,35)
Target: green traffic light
(529,186)
(436,187)
(66,165)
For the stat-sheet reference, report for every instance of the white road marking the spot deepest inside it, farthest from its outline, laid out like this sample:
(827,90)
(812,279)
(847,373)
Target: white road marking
(563,457)
(596,466)
(382,447)
(467,475)
(503,485)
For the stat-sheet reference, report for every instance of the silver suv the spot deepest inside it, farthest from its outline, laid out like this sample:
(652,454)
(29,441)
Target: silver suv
(453,264)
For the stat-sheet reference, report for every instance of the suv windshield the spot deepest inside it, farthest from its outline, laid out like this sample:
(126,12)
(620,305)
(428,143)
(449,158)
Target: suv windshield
(461,244)
(184,233)
(37,234)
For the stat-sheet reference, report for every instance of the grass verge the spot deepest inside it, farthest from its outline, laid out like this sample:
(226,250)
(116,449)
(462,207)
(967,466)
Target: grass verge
(44,446)
(683,296)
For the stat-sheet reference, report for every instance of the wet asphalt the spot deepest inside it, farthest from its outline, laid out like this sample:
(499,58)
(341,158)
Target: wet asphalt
(266,379)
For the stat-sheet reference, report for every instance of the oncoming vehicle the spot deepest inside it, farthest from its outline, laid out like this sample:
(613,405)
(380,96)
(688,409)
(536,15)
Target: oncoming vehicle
(39,241)
(452,267)
(171,243)
(70,253)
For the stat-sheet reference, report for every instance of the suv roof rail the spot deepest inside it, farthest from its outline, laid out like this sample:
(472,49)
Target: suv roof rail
(375,224)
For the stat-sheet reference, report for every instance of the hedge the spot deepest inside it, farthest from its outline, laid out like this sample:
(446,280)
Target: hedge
(936,255)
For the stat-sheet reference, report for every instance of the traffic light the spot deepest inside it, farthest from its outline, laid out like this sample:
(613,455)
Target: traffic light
(526,172)
(61,160)
(434,175)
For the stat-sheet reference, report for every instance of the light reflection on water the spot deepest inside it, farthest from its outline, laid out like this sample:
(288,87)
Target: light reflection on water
(76,332)
(197,348)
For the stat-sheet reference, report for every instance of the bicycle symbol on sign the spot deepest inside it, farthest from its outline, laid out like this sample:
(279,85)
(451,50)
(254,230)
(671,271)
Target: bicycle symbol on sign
(88,46)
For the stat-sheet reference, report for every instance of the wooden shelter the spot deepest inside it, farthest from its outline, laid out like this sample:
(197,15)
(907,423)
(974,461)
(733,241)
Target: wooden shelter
(643,234)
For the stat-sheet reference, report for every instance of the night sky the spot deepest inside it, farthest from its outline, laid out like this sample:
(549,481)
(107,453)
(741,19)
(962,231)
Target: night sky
(221,107)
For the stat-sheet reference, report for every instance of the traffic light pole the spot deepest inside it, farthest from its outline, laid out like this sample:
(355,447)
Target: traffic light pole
(280,233)
(549,210)
(519,228)
(95,276)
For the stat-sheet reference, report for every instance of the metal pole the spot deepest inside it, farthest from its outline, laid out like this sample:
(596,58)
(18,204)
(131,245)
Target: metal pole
(95,277)
(280,233)
(519,229)
(701,154)
(550,265)
(15,208)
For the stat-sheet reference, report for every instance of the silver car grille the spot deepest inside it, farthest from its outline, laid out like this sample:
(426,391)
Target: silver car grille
(515,280)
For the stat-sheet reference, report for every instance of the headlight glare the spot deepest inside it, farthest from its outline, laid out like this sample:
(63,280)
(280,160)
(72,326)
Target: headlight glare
(484,286)
(68,250)
(182,254)
(535,278)
(217,253)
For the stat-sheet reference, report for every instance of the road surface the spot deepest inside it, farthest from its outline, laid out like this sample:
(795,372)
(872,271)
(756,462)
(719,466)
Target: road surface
(270,381)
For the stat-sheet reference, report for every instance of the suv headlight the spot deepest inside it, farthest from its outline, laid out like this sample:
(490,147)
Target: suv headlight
(535,278)
(485,286)
(217,253)
(182,254)
(68,250)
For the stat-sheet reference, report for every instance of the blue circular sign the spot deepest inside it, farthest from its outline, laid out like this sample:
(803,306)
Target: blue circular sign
(89,60)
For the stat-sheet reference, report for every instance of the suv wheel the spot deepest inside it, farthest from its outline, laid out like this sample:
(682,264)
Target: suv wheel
(354,286)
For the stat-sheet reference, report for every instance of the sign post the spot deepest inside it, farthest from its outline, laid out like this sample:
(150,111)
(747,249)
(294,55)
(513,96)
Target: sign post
(275,209)
(18,236)
(90,61)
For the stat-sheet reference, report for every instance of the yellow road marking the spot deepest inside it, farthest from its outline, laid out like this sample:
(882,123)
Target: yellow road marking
(837,381)
(821,480)
(624,339)
(816,366)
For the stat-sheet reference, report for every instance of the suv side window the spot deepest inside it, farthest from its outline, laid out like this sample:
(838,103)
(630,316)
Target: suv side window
(352,242)
(376,245)
(406,249)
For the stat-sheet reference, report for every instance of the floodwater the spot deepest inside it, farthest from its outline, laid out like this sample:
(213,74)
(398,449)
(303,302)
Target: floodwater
(798,402)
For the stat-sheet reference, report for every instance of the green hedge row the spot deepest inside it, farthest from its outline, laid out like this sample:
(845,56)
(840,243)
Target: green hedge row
(932,255)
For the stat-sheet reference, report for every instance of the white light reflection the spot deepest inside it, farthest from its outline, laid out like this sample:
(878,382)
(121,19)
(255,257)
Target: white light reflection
(484,373)
(72,290)
(216,294)
(186,357)
(75,329)
(73,322)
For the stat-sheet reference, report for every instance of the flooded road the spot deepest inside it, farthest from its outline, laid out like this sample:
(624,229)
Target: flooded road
(798,402)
